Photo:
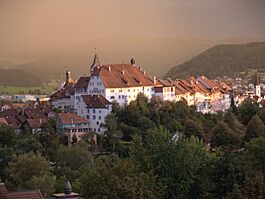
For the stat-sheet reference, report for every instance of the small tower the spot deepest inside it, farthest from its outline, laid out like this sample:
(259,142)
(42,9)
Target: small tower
(68,77)
(257,87)
(132,61)
(67,193)
(95,63)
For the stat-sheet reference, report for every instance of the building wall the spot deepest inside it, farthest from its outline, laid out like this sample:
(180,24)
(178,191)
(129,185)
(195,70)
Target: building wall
(64,104)
(96,116)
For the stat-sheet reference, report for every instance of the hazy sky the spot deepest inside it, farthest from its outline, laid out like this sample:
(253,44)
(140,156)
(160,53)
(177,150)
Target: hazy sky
(39,22)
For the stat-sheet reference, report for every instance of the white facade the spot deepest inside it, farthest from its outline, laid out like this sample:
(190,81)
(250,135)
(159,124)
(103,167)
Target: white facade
(63,104)
(95,116)
(122,96)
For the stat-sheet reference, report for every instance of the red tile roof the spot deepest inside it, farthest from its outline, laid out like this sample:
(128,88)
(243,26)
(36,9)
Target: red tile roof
(82,82)
(3,191)
(122,75)
(25,195)
(36,123)
(69,118)
(95,101)
(3,121)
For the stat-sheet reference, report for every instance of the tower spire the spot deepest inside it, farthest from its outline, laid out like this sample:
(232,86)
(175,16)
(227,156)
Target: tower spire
(95,61)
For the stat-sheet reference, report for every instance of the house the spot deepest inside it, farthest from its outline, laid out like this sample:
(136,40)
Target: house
(7,105)
(5,194)
(94,108)
(71,124)
(35,126)
(62,98)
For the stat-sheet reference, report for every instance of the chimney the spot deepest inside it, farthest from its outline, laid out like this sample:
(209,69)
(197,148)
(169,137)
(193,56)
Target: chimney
(154,79)
(109,68)
(144,72)
(123,72)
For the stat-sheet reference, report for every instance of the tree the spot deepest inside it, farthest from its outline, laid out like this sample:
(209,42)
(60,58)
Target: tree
(255,154)
(255,128)
(223,136)
(7,135)
(192,128)
(27,167)
(28,143)
(106,178)
(72,160)
(182,167)
(247,110)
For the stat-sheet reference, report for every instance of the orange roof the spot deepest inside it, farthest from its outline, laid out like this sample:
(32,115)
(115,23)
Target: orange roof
(95,101)
(36,123)
(82,82)
(69,118)
(25,195)
(122,75)
(3,121)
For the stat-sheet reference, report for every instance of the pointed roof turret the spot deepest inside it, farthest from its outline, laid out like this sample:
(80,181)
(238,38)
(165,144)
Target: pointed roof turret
(95,62)
(67,188)
(256,81)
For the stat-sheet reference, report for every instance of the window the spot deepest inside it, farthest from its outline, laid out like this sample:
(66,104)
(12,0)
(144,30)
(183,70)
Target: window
(99,117)
(148,89)
(73,130)
(99,111)
(128,90)
(87,117)
(98,130)
(79,130)
(97,123)
(120,91)
(87,110)
(112,97)
(119,97)
(133,90)
(112,91)
(94,111)
(94,117)
(97,77)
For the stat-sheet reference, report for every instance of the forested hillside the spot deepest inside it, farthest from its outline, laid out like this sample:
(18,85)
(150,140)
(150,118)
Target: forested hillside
(222,60)
(15,77)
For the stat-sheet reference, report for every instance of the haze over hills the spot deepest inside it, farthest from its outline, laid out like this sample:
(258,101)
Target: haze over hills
(220,60)
(155,55)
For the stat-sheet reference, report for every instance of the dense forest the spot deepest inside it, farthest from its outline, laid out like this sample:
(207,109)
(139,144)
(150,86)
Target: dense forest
(16,77)
(152,149)
(222,60)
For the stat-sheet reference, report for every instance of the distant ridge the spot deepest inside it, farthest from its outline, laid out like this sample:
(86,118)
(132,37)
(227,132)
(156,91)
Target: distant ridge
(16,77)
(220,60)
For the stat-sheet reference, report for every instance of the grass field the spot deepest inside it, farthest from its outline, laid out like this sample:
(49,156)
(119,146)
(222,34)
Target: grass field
(26,90)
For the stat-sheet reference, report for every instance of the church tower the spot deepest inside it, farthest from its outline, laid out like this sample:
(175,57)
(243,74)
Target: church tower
(95,63)
(257,87)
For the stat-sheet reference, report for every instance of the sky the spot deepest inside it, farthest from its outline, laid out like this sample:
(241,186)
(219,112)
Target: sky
(41,22)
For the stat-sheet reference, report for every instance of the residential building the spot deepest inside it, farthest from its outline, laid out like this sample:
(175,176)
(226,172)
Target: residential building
(71,124)
(94,108)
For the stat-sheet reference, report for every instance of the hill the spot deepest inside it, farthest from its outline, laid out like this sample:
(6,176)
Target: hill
(155,55)
(222,60)
(15,77)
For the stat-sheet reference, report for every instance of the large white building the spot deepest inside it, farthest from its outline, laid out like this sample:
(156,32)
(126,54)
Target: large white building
(91,96)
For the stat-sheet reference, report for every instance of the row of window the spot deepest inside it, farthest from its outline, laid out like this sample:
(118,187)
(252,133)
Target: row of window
(94,84)
(77,130)
(93,117)
(129,90)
